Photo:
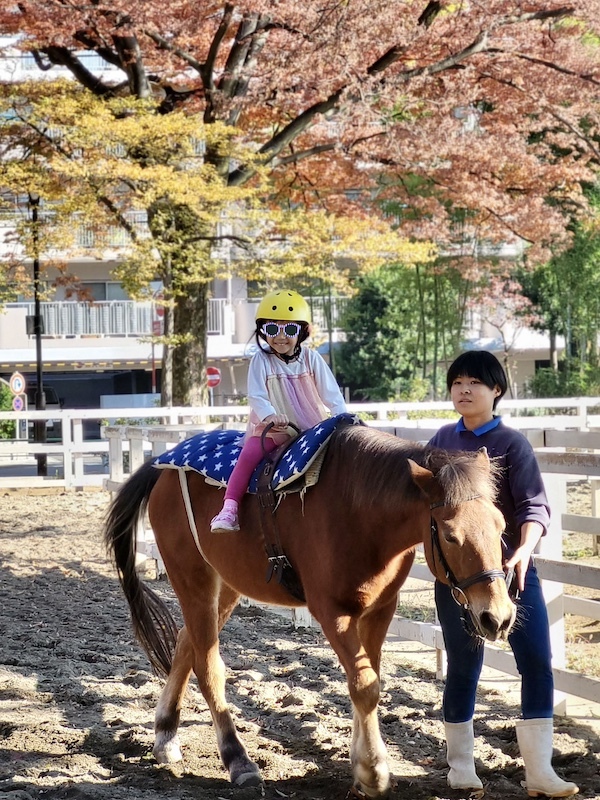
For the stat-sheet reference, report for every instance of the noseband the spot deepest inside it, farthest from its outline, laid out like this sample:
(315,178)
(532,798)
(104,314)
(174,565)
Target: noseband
(479,577)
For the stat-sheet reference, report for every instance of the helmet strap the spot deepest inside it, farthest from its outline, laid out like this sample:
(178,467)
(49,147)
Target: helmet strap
(288,359)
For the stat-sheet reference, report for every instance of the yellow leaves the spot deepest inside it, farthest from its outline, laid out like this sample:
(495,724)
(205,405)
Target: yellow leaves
(108,158)
(121,144)
(314,244)
(105,160)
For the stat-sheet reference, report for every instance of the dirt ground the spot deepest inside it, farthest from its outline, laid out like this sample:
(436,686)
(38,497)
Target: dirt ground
(77,695)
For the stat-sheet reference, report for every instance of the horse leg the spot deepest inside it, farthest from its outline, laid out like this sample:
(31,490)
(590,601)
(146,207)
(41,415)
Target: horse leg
(368,754)
(372,629)
(210,672)
(195,652)
(167,749)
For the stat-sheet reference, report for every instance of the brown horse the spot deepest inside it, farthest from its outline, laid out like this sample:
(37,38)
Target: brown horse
(351,541)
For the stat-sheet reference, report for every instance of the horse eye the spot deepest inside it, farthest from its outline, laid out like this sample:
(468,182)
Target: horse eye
(451,538)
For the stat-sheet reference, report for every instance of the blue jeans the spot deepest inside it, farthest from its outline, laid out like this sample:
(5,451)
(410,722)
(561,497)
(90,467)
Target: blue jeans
(530,643)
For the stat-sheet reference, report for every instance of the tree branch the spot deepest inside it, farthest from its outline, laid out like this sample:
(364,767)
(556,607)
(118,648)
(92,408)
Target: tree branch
(286,136)
(429,13)
(302,154)
(132,63)
(164,44)
(548,64)
(102,50)
(62,56)
(249,41)
(208,67)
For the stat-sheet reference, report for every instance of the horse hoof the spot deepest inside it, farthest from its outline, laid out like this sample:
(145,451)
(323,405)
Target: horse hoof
(248,778)
(168,752)
(363,793)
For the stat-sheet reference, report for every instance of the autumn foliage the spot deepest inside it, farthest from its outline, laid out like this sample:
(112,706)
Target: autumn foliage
(462,121)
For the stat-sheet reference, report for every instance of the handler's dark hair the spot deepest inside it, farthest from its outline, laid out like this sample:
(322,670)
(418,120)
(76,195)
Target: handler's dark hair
(483,366)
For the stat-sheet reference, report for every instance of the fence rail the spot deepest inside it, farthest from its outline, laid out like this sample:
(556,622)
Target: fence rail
(552,569)
(563,455)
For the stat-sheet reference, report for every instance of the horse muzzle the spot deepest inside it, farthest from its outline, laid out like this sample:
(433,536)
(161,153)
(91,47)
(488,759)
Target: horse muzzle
(491,610)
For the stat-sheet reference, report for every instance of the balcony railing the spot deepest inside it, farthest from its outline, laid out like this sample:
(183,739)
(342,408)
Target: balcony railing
(120,318)
(25,62)
(127,318)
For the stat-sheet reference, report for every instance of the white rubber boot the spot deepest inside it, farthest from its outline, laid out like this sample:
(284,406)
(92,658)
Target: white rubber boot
(535,743)
(459,754)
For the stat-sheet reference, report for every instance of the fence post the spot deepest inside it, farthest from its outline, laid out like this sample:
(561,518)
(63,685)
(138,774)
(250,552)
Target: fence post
(550,546)
(115,455)
(136,437)
(77,452)
(67,442)
(595,487)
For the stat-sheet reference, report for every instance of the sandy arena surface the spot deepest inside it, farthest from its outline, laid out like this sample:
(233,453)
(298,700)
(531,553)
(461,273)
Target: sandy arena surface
(77,695)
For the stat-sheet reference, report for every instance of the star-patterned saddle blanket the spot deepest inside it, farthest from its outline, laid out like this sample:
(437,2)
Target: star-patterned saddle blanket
(215,454)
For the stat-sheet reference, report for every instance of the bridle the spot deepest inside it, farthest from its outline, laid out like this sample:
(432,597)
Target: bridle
(479,577)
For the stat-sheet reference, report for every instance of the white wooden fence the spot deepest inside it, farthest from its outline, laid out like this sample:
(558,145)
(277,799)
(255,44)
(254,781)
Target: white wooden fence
(558,463)
(567,447)
(74,452)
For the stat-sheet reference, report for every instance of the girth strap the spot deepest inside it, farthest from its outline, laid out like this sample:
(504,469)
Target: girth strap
(279,565)
(185,493)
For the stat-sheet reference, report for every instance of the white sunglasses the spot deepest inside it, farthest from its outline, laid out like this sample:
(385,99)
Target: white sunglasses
(289,329)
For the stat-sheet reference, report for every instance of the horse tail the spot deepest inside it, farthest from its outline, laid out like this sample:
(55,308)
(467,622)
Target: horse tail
(153,624)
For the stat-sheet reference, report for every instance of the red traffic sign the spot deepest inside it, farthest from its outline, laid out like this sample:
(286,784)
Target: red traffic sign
(213,376)
(159,308)
(17,383)
(18,402)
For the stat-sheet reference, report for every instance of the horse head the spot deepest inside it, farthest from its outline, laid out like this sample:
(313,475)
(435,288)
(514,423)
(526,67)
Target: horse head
(464,548)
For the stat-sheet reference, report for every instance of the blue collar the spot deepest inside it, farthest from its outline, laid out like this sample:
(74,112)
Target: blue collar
(489,426)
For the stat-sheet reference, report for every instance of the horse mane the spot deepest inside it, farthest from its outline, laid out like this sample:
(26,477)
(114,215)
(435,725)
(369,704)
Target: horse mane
(373,468)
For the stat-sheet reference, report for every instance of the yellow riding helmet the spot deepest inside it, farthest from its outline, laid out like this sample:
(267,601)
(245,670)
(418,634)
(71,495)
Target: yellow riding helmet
(285,305)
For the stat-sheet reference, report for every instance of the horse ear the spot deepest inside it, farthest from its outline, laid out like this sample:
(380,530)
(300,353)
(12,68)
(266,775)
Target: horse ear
(482,455)
(421,476)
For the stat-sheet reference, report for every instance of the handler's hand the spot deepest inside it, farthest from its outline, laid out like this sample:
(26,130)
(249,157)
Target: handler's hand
(520,561)
(280,421)
(531,533)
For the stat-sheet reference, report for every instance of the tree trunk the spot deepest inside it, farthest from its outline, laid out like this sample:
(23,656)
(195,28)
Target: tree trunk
(184,239)
(553,351)
(189,358)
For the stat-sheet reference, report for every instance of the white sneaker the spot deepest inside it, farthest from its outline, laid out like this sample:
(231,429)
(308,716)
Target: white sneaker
(225,521)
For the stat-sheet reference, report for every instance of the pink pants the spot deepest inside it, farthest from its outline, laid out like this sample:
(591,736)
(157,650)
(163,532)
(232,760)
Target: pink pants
(250,457)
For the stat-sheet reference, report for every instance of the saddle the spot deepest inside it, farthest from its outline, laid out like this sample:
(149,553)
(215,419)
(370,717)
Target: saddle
(268,499)
(291,467)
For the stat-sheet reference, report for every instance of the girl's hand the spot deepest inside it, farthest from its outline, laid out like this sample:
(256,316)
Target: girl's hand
(280,421)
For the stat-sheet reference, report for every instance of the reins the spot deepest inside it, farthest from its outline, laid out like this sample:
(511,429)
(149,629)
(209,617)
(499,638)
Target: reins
(479,577)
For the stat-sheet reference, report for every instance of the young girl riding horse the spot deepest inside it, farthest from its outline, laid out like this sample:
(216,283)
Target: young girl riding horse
(287,384)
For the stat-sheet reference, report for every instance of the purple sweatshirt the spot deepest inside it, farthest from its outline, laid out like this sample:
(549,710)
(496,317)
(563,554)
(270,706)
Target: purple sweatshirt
(521,494)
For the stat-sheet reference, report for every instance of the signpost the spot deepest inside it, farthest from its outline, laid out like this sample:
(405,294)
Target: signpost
(17,383)
(158,328)
(213,378)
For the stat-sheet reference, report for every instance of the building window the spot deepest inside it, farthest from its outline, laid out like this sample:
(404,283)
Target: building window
(105,290)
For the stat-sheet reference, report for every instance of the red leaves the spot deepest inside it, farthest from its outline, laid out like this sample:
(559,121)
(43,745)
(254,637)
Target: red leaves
(391,77)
